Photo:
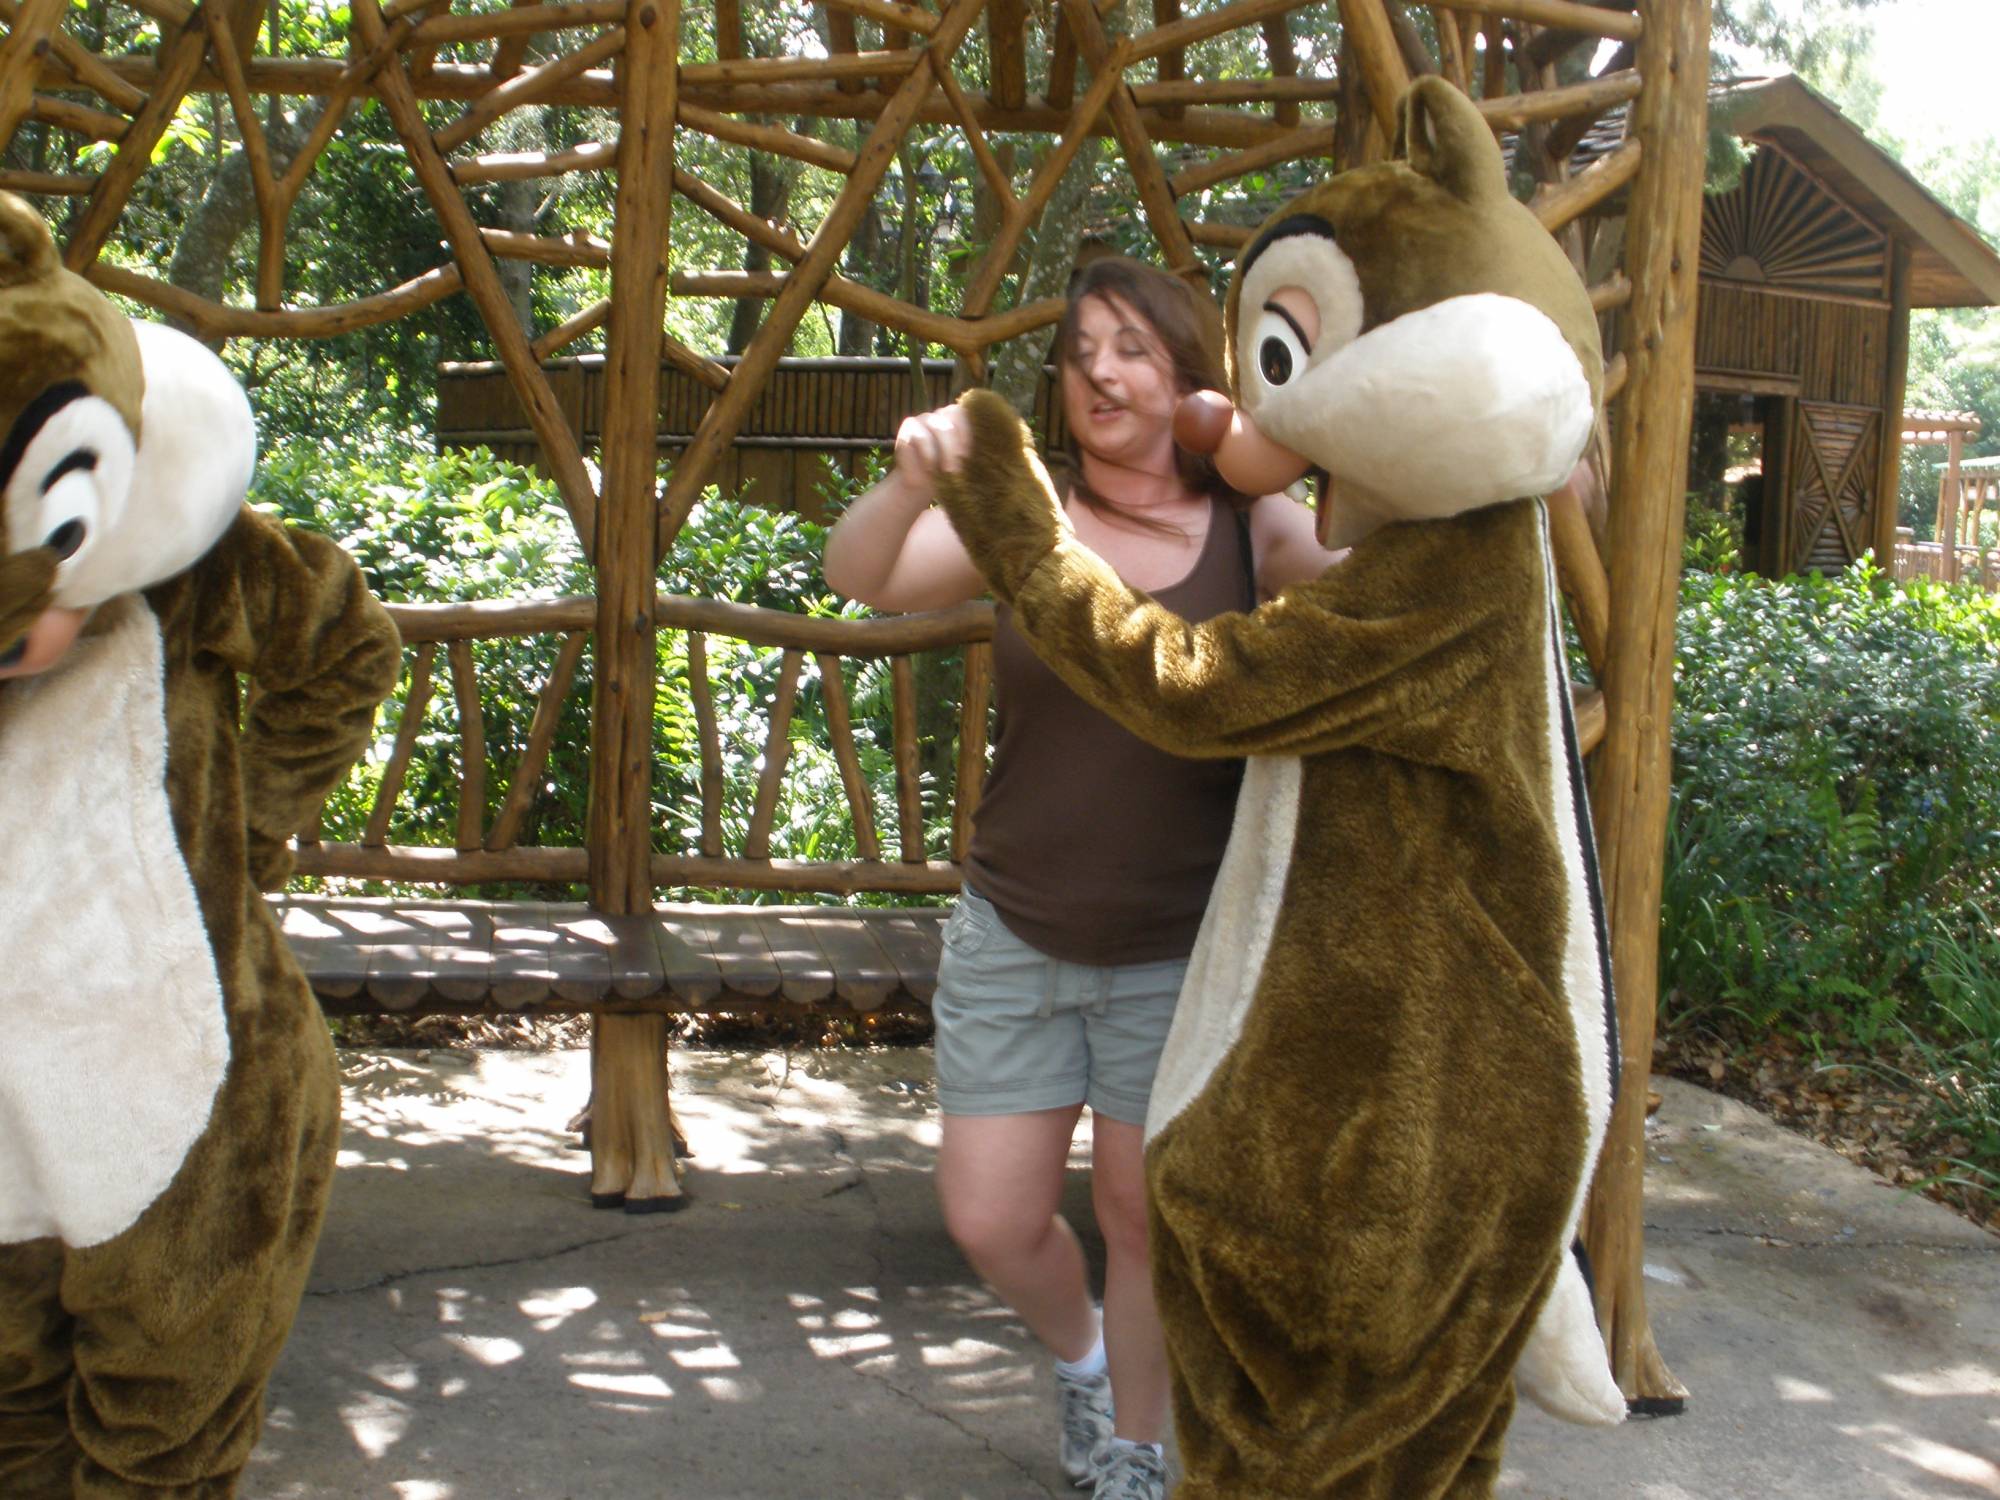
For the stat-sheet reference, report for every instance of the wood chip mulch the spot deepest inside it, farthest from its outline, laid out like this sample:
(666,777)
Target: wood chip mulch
(1850,1100)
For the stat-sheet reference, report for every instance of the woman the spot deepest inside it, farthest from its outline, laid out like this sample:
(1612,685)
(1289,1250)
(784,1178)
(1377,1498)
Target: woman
(1093,853)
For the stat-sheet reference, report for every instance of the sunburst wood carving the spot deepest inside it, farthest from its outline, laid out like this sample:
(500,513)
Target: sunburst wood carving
(1780,228)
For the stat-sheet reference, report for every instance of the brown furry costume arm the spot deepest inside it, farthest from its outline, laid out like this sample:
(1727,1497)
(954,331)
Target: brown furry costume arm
(1377,650)
(291,611)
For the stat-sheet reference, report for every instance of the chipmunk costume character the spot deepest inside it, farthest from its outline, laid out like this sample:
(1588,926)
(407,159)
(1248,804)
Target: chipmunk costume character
(168,1100)
(1392,1066)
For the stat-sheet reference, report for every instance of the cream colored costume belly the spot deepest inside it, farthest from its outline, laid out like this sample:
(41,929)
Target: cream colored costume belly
(115,1042)
(1228,959)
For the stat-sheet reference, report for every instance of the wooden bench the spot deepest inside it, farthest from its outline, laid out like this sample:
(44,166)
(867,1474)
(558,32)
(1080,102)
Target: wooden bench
(373,955)
(410,956)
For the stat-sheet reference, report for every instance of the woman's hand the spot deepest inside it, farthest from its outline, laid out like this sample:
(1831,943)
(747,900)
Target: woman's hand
(929,444)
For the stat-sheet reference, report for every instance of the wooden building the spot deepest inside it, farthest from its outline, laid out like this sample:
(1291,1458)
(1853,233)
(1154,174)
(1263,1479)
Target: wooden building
(1810,268)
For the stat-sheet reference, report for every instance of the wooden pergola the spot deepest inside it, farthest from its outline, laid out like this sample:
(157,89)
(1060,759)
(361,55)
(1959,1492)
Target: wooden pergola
(1066,70)
(1965,486)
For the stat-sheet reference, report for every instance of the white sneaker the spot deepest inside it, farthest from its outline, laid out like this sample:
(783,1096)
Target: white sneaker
(1083,1406)
(1131,1471)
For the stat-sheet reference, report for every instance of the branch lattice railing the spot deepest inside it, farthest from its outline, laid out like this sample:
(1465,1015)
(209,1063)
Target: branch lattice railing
(1198,98)
(899,854)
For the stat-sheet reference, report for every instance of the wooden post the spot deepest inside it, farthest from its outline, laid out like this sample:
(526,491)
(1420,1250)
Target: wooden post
(1889,484)
(1633,771)
(1366,25)
(1948,489)
(631,1140)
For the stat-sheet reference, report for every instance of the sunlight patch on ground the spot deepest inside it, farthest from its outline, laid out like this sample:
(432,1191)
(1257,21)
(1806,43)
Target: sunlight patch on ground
(549,1310)
(1790,1388)
(1940,1460)
(376,1423)
(422,1489)
(486,1349)
(1959,1380)
(961,1352)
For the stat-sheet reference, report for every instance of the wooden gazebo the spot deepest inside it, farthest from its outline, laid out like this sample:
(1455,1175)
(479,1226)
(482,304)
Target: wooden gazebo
(1063,70)
(1810,268)
(1966,487)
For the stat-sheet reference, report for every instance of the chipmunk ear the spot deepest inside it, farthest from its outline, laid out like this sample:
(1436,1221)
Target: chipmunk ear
(27,252)
(1440,133)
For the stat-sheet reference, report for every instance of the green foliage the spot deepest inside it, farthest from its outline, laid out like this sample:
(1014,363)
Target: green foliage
(1836,805)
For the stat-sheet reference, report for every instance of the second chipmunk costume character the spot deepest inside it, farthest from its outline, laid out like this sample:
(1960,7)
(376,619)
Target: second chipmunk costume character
(1393,1062)
(169,1105)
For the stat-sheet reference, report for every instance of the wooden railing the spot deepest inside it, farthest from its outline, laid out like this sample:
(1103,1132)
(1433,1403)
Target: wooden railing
(483,853)
(1975,565)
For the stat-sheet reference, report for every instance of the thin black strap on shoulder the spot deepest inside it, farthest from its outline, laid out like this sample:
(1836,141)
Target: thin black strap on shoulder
(1249,555)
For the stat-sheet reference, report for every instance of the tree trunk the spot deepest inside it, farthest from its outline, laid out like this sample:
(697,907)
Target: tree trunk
(770,197)
(229,208)
(857,334)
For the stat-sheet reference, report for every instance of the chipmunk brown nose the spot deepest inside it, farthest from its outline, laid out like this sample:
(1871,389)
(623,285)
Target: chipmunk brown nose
(1201,420)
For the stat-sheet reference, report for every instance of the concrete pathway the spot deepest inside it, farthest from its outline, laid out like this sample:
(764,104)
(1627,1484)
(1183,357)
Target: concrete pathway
(806,1331)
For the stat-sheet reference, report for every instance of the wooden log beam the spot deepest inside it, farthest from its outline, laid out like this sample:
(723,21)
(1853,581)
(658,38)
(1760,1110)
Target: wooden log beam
(424,865)
(1366,29)
(180,59)
(1613,292)
(1577,100)
(891,13)
(531,87)
(840,733)
(773,138)
(522,166)
(961,335)
(524,20)
(1623,26)
(28,32)
(213,320)
(1027,211)
(1281,91)
(521,788)
(909,791)
(78,119)
(1560,203)
(64,63)
(415,702)
(709,737)
(1006,52)
(471,747)
(1283,55)
(621,730)
(1895,384)
(1179,35)
(47,184)
(1142,162)
(595,316)
(632,1155)
(886,635)
(596,89)
(719,424)
(769,70)
(482,281)
(1633,773)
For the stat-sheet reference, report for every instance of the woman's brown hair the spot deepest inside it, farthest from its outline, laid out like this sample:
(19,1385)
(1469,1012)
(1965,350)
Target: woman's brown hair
(1189,329)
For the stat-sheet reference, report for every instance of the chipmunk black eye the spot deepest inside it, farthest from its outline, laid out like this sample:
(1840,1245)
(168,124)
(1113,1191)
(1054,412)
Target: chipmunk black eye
(1274,359)
(66,538)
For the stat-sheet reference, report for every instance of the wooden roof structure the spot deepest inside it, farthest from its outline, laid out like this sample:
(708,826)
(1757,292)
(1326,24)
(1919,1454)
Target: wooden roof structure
(1131,71)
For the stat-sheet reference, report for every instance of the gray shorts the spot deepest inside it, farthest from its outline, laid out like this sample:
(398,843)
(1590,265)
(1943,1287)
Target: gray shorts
(1019,1031)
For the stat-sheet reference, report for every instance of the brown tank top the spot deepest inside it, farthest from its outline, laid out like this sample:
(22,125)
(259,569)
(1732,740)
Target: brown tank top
(1092,845)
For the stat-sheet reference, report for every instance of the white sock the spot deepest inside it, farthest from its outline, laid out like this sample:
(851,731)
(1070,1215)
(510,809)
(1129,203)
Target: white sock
(1091,1365)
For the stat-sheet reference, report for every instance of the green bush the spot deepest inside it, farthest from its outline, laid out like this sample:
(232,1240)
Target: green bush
(1836,805)
(430,527)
